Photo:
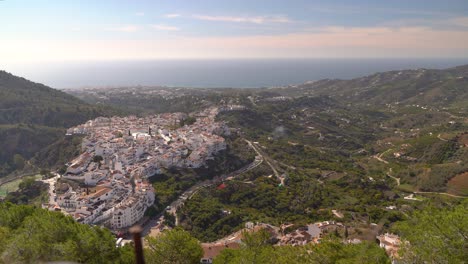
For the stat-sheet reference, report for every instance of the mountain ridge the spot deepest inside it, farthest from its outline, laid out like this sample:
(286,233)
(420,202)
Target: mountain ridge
(420,86)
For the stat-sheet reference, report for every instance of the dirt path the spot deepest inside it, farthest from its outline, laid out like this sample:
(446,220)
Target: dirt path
(395,178)
(443,139)
(448,194)
(379,156)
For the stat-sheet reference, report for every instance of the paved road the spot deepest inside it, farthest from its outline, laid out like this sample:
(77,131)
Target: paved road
(175,205)
(267,160)
(196,188)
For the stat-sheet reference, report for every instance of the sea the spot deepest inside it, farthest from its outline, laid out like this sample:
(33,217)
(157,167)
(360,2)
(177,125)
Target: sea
(240,73)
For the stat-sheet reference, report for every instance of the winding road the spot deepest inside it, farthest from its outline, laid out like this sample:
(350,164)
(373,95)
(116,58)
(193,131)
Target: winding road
(266,158)
(189,193)
(395,178)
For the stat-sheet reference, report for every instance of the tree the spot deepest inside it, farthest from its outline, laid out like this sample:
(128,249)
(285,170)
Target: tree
(62,170)
(32,235)
(26,183)
(336,233)
(174,246)
(435,235)
(169,219)
(4,236)
(256,250)
(188,121)
(18,161)
(46,174)
(334,251)
(97,159)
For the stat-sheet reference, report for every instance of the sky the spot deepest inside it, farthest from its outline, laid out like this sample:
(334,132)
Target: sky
(37,31)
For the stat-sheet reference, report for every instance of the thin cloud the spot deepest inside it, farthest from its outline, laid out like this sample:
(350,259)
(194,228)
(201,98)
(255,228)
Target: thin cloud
(244,19)
(460,21)
(323,42)
(126,28)
(139,14)
(436,22)
(345,9)
(165,28)
(172,15)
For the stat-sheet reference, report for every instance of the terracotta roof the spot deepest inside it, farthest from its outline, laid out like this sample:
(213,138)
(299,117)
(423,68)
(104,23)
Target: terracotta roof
(101,192)
(213,250)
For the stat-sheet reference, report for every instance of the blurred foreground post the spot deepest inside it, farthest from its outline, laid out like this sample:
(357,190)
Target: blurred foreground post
(136,233)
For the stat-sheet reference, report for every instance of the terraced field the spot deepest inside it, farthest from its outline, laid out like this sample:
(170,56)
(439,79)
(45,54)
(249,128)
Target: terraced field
(458,185)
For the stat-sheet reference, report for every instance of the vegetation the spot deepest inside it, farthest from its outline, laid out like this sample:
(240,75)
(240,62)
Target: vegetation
(56,155)
(30,191)
(256,249)
(174,246)
(171,183)
(27,184)
(423,87)
(188,121)
(458,185)
(357,146)
(436,235)
(19,142)
(139,101)
(310,117)
(32,117)
(302,200)
(31,235)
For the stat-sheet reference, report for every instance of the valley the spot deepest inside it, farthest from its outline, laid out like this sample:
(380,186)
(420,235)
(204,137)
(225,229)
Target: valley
(221,162)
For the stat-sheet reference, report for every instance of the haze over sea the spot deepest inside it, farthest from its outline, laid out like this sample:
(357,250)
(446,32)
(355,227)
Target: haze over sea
(215,73)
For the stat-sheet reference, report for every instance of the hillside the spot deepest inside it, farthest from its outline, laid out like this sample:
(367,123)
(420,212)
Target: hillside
(33,116)
(23,101)
(415,113)
(447,87)
(34,235)
(352,151)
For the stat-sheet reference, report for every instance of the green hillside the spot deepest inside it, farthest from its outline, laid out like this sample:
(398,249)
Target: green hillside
(422,86)
(33,116)
(32,235)
(23,101)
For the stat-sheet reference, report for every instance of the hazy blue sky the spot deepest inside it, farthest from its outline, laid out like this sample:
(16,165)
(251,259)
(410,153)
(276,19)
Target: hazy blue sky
(47,30)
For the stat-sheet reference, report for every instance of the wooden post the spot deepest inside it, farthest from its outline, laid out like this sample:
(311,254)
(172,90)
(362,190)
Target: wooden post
(136,233)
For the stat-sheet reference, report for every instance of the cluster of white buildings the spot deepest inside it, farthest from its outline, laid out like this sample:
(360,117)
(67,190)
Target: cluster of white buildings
(114,202)
(311,233)
(147,144)
(391,243)
(120,153)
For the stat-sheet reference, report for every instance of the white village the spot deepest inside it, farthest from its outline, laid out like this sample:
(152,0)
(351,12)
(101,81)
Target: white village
(118,156)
